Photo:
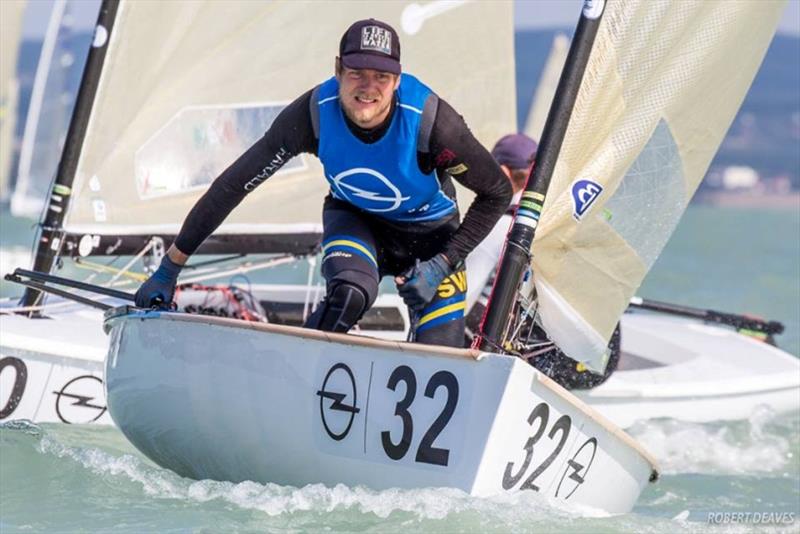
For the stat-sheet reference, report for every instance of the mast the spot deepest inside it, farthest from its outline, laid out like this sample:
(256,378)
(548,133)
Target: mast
(50,240)
(518,254)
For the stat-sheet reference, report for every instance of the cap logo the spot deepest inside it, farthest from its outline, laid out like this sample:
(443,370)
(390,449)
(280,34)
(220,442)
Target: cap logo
(377,39)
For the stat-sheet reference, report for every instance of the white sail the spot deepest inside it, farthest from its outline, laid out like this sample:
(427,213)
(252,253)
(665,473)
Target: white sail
(11,12)
(52,99)
(187,86)
(546,88)
(663,84)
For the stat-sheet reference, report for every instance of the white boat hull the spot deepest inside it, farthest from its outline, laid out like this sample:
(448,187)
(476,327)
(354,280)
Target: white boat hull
(230,400)
(51,370)
(683,369)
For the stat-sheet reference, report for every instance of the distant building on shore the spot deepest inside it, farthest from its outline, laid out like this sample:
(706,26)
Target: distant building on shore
(739,177)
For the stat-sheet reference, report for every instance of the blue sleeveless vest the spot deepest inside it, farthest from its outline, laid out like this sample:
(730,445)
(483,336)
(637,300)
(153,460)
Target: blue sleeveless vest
(382,178)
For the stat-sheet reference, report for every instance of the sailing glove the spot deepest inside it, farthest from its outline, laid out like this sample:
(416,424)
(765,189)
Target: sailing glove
(422,280)
(159,289)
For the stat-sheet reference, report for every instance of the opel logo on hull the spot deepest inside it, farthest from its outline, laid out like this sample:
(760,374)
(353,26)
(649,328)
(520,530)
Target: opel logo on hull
(81,400)
(577,468)
(337,415)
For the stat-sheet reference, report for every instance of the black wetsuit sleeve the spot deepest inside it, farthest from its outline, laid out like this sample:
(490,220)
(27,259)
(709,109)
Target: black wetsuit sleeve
(289,135)
(456,152)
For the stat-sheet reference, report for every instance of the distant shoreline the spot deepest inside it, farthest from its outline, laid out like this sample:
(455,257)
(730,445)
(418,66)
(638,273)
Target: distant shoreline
(748,200)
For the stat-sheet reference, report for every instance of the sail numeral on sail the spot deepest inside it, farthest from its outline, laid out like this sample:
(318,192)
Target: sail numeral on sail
(540,416)
(426,453)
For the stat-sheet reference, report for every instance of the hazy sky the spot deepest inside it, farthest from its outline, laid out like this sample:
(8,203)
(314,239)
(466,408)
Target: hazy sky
(528,14)
(565,13)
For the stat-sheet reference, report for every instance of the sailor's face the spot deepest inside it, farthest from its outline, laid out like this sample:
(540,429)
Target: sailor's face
(366,94)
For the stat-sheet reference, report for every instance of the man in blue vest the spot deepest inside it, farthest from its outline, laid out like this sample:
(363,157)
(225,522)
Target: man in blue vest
(390,148)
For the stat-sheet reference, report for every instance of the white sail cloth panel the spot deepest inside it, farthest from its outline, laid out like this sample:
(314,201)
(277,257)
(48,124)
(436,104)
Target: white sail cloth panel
(663,84)
(11,13)
(187,86)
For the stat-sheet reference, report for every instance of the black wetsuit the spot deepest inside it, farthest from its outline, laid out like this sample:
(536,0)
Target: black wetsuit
(453,153)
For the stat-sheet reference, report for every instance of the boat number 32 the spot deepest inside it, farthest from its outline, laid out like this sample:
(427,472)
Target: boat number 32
(426,452)
(537,419)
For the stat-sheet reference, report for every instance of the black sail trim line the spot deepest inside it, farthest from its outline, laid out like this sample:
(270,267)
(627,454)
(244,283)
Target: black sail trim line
(50,239)
(517,255)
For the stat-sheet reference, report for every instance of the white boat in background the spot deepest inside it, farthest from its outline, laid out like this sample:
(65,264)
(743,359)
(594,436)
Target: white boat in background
(52,370)
(690,370)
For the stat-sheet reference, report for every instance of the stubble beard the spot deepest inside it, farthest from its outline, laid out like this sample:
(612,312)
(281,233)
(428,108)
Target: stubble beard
(363,117)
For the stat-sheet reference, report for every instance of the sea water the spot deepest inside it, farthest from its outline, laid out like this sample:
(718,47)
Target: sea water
(741,476)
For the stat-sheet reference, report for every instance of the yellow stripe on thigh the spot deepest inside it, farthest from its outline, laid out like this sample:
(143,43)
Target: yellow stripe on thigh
(442,311)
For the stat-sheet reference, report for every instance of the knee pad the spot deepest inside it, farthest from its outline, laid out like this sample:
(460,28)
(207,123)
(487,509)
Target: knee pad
(342,307)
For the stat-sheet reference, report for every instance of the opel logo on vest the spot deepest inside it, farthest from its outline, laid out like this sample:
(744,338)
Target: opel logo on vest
(367,189)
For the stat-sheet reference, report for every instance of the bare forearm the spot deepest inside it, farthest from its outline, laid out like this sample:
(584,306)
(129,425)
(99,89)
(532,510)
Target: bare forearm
(177,256)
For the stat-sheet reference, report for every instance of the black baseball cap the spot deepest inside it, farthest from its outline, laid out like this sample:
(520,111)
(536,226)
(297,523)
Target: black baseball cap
(370,44)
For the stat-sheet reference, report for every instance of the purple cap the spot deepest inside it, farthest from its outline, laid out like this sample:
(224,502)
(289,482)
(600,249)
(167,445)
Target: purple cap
(370,44)
(515,151)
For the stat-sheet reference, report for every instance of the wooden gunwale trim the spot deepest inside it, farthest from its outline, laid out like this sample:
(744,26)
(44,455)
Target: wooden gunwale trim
(331,337)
